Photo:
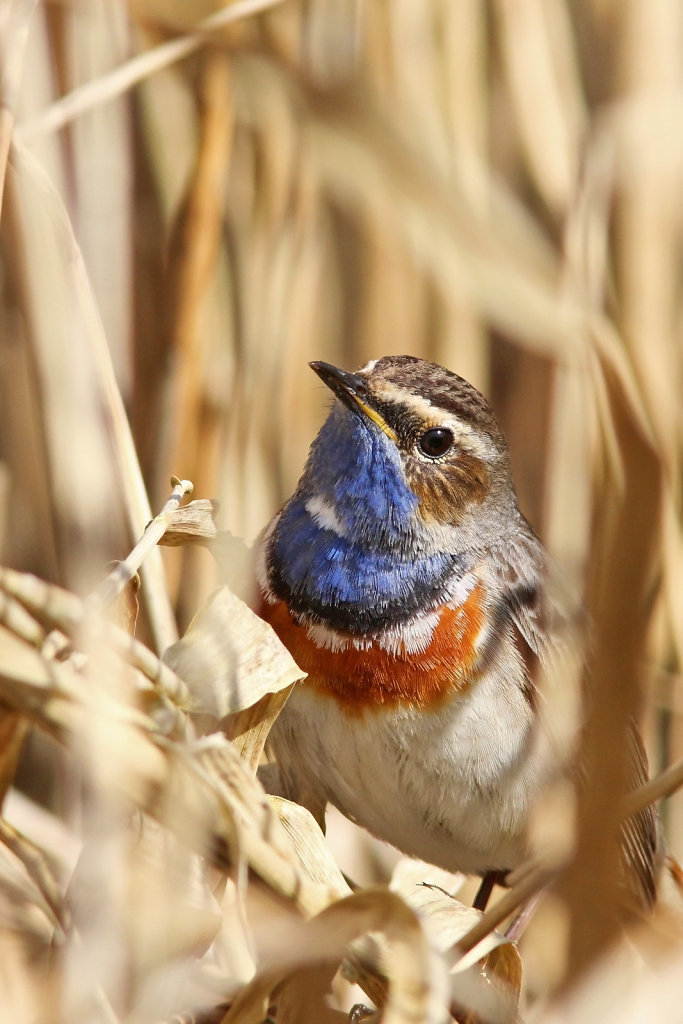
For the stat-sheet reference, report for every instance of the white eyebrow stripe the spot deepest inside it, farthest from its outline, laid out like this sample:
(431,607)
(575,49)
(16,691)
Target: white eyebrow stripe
(466,437)
(388,392)
(369,367)
(469,439)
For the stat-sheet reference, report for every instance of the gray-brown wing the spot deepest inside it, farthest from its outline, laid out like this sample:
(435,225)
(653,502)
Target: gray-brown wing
(642,847)
(548,620)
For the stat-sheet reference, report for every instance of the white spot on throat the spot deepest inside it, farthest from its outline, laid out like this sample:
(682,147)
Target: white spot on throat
(324,515)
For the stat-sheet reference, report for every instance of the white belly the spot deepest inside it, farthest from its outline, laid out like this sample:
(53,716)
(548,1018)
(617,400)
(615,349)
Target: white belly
(452,786)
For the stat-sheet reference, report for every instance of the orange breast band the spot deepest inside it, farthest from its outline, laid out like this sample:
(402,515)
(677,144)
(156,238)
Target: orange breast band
(359,679)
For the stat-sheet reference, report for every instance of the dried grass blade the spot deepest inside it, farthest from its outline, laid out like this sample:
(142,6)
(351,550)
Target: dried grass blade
(509,902)
(108,87)
(664,784)
(38,869)
(487,980)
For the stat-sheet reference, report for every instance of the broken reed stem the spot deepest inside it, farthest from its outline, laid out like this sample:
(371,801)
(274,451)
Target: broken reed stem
(513,899)
(26,603)
(664,784)
(38,869)
(19,621)
(110,588)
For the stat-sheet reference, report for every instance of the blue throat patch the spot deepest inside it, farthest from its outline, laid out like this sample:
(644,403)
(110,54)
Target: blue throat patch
(356,469)
(373,575)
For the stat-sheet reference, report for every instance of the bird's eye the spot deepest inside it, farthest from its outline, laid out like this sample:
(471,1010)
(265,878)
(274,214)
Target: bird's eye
(435,442)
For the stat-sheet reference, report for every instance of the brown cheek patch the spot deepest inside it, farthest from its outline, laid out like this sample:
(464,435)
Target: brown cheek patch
(445,491)
(360,679)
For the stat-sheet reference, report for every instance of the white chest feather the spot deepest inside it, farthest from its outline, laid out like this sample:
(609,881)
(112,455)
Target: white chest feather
(453,785)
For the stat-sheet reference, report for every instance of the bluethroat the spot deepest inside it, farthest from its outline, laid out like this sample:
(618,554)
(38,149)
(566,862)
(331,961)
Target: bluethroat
(409,587)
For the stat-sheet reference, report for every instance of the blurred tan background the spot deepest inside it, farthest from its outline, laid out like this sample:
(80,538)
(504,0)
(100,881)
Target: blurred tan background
(496,186)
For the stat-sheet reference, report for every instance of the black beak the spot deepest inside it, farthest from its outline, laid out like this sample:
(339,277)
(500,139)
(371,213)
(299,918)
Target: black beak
(352,390)
(348,387)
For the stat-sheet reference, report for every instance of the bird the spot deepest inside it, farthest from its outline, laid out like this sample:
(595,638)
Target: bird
(408,586)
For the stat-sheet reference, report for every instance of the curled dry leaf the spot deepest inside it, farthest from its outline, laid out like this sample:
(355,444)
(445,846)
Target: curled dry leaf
(194,523)
(124,609)
(249,728)
(410,877)
(229,658)
(303,997)
(487,980)
(308,843)
(205,795)
(416,988)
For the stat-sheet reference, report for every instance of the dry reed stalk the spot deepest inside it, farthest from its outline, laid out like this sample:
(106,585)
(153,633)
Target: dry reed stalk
(616,689)
(14,25)
(538,53)
(101,201)
(188,436)
(192,258)
(96,479)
